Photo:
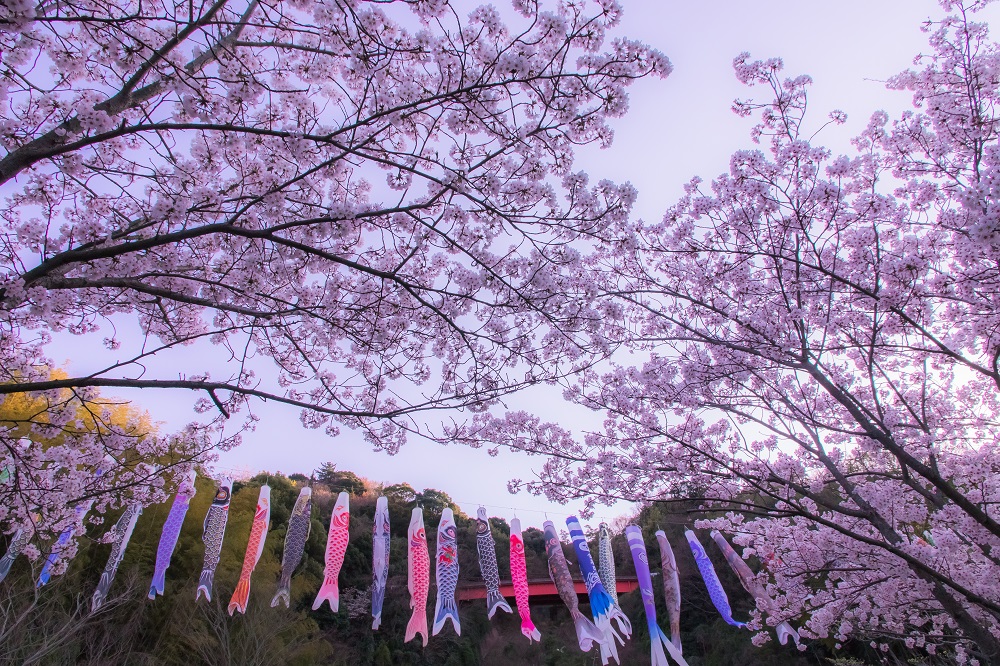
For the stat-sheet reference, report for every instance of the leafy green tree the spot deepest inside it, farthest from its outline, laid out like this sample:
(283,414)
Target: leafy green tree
(400,493)
(434,502)
(340,481)
(382,655)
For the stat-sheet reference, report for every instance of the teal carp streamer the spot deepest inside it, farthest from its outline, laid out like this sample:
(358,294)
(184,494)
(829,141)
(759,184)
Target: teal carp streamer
(295,545)
(214,532)
(118,537)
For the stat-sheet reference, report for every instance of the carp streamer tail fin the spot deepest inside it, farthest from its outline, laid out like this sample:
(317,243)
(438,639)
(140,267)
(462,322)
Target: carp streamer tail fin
(530,631)
(156,587)
(284,591)
(786,631)
(100,593)
(417,625)
(495,601)
(328,592)
(586,632)
(205,585)
(447,610)
(240,597)
(8,559)
(672,650)
(281,595)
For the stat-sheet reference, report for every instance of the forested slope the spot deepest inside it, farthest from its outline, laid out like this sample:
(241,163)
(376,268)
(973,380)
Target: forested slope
(54,625)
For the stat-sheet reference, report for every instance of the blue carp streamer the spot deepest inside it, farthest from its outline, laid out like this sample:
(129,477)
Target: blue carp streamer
(712,582)
(602,606)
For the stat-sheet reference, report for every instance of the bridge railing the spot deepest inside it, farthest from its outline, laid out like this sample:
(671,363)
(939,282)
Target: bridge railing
(542,590)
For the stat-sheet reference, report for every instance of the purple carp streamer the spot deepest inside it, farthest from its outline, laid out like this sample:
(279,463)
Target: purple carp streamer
(336,547)
(764,601)
(446,570)
(586,632)
(295,545)
(712,582)
(380,558)
(255,547)
(602,607)
(519,577)
(18,541)
(657,639)
(118,536)
(214,532)
(606,562)
(671,588)
(170,534)
(487,548)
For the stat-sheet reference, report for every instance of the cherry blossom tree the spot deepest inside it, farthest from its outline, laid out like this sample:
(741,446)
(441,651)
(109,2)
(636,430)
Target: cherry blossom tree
(819,356)
(367,208)
(71,453)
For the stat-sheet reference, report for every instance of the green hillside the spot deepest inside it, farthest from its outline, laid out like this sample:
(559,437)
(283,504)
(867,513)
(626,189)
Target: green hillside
(54,625)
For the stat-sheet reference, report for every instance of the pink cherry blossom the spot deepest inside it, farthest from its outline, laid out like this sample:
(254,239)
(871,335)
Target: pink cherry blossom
(359,204)
(817,345)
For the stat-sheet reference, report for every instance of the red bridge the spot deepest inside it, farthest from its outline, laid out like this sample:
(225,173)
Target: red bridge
(542,590)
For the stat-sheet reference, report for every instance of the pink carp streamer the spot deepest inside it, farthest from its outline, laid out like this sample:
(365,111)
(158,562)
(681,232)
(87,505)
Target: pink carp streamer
(671,588)
(255,547)
(418,576)
(519,577)
(764,601)
(336,547)
(171,532)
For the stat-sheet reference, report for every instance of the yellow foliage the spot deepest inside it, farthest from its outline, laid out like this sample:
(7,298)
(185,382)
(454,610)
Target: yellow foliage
(21,411)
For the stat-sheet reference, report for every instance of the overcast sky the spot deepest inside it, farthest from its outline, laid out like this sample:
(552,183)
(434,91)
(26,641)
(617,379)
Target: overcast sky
(677,128)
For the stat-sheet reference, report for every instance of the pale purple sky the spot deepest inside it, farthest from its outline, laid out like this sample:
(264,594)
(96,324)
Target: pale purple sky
(677,128)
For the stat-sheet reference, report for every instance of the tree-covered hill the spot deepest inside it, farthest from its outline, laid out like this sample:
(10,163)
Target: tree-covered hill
(54,625)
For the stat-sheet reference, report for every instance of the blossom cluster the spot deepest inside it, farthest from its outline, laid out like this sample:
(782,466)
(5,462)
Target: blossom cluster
(818,348)
(369,208)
